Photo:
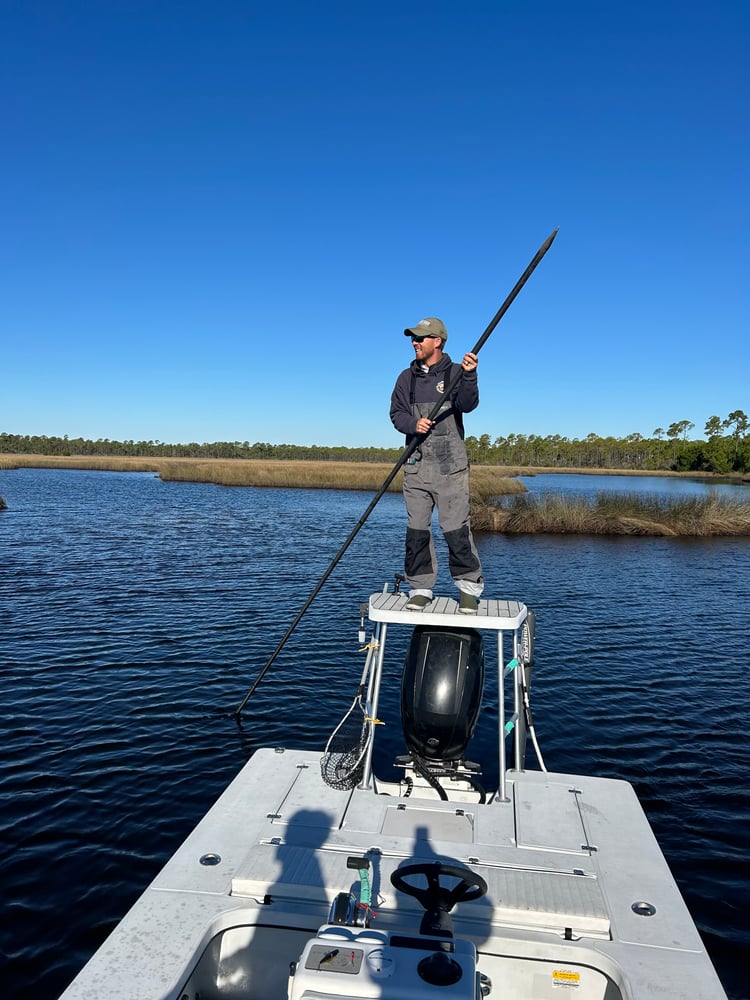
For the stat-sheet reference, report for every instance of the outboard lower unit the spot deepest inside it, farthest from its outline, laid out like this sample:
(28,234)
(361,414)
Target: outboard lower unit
(441,695)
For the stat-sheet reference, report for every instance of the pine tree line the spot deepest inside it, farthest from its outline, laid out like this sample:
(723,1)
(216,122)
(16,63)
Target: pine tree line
(725,449)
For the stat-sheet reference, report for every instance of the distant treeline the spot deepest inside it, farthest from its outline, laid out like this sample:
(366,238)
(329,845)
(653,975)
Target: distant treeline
(725,449)
(20,444)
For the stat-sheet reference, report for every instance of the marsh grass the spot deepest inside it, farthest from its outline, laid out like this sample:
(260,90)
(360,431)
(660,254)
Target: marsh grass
(284,474)
(101,463)
(486,481)
(319,475)
(492,506)
(616,514)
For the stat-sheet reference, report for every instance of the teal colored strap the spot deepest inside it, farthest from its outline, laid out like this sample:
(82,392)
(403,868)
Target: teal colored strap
(364,890)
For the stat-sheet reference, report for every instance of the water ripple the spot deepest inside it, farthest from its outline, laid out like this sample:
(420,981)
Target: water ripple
(135,614)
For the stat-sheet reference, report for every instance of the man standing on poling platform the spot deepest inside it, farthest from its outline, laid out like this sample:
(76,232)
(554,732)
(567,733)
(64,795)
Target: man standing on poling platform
(438,470)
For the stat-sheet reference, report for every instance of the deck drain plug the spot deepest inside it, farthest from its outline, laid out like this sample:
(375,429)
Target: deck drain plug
(209,859)
(643,909)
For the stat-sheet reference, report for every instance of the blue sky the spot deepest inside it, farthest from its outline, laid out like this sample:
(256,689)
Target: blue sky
(217,219)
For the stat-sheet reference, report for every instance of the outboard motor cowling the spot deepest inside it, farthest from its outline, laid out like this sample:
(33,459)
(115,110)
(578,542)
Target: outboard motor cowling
(441,691)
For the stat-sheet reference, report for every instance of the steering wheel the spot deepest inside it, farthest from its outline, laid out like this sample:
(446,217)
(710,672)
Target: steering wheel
(470,885)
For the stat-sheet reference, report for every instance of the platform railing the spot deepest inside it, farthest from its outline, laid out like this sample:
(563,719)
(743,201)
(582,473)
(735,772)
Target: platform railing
(511,720)
(515,723)
(375,655)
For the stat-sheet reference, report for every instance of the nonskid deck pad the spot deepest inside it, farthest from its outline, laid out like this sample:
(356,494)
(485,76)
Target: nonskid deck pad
(497,615)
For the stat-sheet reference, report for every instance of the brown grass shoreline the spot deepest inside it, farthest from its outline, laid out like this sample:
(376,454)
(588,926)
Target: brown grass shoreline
(708,516)
(245,471)
(608,513)
(291,474)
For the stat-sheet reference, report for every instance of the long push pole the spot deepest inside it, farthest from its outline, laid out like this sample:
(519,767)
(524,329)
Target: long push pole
(405,455)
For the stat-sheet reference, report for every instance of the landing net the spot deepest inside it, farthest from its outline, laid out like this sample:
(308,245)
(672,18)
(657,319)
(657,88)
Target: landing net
(343,762)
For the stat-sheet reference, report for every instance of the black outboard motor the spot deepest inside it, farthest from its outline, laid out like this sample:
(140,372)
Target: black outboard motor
(441,692)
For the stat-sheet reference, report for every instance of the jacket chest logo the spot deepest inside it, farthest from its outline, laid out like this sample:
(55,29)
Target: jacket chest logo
(440,387)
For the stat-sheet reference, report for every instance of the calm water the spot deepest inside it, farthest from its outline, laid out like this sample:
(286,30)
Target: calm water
(665,486)
(135,614)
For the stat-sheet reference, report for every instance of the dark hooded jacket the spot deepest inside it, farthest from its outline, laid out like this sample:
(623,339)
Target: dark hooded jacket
(442,451)
(416,386)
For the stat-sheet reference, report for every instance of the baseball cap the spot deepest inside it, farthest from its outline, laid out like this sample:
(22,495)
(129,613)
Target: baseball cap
(430,327)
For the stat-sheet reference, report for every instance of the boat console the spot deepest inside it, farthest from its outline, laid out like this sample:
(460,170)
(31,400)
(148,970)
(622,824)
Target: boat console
(346,965)
(347,962)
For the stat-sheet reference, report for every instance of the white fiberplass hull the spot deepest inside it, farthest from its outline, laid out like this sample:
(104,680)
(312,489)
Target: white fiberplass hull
(550,886)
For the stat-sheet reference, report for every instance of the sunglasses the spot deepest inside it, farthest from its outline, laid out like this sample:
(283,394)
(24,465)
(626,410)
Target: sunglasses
(418,340)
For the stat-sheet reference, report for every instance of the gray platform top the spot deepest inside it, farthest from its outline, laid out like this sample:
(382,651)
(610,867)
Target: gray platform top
(492,614)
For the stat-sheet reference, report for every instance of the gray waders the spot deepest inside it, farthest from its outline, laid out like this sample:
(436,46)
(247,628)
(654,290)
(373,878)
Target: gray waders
(438,473)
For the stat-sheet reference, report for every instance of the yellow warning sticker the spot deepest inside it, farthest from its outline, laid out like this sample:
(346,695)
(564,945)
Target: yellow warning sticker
(566,978)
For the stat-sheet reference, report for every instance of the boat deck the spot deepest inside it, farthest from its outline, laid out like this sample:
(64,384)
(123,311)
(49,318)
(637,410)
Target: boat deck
(565,860)
(579,900)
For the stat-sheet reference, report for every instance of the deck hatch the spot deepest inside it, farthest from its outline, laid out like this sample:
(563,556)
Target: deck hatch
(545,899)
(454,827)
(291,871)
(548,819)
